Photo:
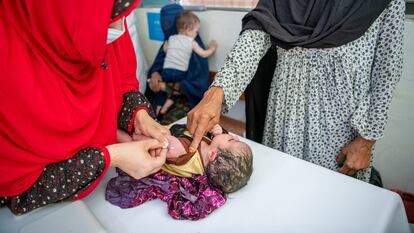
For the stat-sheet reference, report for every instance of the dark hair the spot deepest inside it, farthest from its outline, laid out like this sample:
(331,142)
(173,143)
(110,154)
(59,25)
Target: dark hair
(187,21)
(231,170)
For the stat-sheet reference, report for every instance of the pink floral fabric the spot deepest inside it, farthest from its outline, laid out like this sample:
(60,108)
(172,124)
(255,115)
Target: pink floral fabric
(187,198)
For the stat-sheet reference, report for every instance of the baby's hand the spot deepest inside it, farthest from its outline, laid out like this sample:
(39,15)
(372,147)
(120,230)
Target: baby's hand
(213,44)
(216,130)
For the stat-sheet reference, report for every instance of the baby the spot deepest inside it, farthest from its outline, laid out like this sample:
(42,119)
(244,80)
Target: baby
(178,51)
(225,159)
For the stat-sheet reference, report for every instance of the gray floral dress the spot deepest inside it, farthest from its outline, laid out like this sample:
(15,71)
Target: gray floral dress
(321,99)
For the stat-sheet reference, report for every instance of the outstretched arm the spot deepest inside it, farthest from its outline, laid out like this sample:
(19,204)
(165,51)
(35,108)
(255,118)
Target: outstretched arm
(205,53)
(238,70)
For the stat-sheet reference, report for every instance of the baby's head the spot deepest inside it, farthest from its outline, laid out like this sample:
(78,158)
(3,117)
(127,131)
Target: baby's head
(188,24)
(228,162)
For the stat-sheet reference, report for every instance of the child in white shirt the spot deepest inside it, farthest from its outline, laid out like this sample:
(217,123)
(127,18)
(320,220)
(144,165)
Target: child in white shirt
(178,51)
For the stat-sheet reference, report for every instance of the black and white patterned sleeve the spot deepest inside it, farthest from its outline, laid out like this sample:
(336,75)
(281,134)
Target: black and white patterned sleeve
(386,71)
(241,64)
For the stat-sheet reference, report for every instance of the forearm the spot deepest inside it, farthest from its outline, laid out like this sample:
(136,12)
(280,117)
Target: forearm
(68,179)
(132,103)
(206,53)
(241,64)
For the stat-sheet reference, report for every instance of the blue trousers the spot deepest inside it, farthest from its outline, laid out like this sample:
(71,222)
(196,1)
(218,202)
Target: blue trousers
(168,76)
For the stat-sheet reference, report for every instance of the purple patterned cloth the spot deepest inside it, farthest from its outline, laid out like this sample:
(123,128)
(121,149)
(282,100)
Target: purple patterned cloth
(187,198)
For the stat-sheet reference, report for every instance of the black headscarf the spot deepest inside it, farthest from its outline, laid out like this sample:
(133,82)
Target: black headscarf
(314,23)
(303,23)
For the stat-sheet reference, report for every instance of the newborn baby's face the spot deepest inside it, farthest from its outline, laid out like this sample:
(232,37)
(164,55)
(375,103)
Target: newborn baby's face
(175,147)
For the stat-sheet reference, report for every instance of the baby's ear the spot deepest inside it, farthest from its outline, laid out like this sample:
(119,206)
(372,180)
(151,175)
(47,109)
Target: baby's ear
(212,154)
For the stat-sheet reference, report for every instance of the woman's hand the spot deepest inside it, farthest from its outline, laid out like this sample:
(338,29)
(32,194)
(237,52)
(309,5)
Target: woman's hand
(134,157)
(205,115)
(355,156)
(154,82)
(144,124)
(140,137)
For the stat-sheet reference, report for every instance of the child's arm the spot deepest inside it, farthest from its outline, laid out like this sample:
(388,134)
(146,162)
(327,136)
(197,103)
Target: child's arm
(165,46)
(205,53)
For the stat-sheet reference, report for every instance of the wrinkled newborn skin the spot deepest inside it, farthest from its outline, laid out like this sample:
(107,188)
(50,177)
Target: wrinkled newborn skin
(175,148)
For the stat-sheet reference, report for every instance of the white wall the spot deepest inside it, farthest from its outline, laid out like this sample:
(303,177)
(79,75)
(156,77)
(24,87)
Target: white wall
(394,154)
(149,47)
(142,64)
